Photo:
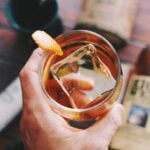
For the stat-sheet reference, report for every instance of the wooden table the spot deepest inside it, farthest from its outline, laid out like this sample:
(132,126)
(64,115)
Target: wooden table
(15,50)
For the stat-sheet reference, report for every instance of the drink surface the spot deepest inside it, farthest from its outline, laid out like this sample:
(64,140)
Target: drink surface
(80,80)
(84,82)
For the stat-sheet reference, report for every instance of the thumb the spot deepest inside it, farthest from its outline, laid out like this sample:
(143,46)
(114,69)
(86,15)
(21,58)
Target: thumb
(35,103)
(106,128)
(30,82)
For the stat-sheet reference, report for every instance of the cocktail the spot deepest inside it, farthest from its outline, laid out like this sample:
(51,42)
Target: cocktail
(83,83)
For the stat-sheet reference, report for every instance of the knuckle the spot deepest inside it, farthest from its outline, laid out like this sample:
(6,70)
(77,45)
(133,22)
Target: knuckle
(24,73)
(37,51)
(115,121)
(117,116)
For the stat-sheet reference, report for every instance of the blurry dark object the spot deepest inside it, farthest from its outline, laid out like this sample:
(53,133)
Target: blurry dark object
(143,63)
(26,16)
(115,40)
(15,145)
(110,18)
(11,136)
(82,124)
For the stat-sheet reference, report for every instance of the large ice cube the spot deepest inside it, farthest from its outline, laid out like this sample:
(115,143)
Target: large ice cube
(85,73)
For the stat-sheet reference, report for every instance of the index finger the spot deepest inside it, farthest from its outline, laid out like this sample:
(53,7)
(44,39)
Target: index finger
(76,81)
(29,75)
(35,103)
(33,96)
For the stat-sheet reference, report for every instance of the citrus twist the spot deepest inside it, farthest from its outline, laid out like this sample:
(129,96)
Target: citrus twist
(46,42)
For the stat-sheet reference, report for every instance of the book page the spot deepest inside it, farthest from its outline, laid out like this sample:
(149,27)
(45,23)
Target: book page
(135,133)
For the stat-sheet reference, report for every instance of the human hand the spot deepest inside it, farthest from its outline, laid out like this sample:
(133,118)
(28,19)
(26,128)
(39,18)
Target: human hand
(43,129)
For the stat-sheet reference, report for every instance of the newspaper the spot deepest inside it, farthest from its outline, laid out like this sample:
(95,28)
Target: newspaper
(135,133)
(10,103)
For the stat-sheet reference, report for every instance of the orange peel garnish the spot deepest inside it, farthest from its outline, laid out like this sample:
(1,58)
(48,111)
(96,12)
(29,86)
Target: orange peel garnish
(46,42)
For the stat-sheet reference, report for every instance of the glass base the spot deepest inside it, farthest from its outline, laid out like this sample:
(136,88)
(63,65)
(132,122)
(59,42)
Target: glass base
(81,124)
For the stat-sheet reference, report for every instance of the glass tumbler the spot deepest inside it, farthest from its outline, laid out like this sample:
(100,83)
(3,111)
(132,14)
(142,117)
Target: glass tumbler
(54,69)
